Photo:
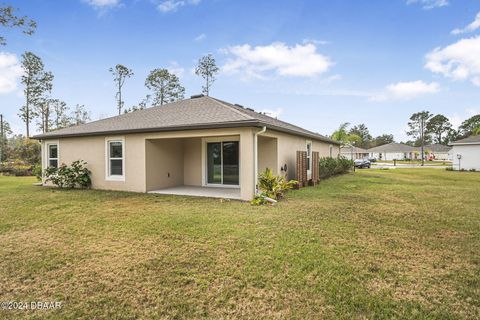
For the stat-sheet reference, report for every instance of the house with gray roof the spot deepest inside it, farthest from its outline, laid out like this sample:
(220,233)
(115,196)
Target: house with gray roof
(197,146)
(394,151)
(353,153)
(466,153)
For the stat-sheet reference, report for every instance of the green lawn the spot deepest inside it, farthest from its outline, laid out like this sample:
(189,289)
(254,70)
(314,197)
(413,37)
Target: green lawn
(380,244)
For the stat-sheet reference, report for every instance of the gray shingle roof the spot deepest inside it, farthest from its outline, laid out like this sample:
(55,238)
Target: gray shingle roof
(196,113)
(471,139)
(393,147)
(436,147)
(354,149)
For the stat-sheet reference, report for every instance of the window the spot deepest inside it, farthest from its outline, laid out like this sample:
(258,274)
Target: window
(309,155)
(115,159)
(52,158)
(331,151)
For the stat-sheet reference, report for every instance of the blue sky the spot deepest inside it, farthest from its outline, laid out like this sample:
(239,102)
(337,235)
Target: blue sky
(313,63)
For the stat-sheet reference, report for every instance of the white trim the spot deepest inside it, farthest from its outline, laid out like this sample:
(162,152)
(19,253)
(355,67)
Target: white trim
(205,164)
(109,177)
(47,153)
(309,158)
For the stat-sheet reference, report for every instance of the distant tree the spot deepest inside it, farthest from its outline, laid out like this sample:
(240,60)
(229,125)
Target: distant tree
(20,147)
(467,126)
(36,83)
(8,19)
(166,86)
(140,106)
(120,73)
(207,69)
(438,126)
(418,129)
(383,139)
(363,133)
(59,109)
(5,130)
(341,135)
(80,115)
(476,131)
(42,106)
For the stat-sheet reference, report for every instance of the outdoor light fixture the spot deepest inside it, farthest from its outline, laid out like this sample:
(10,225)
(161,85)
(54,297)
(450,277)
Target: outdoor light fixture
(459,156)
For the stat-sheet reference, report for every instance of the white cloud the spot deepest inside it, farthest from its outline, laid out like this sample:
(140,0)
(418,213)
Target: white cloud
(406,90)
(10,72)
(429,4)
(200,37)
(456,119)
(176,69)
(469,28)
(174,5)
(103,3)
(458,61)
(297,61)
(273,113)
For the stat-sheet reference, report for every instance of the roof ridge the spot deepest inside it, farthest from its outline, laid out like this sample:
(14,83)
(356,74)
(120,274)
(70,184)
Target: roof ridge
(231,107)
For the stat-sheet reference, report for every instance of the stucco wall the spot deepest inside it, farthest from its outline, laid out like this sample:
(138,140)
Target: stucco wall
(164,163)
(192,162)
(470,157)
(267,154)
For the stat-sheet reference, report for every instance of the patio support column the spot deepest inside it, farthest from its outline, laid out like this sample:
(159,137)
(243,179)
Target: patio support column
(247,164)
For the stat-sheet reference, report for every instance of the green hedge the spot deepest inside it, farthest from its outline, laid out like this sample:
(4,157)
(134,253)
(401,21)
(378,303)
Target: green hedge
(17,168)
(329,167)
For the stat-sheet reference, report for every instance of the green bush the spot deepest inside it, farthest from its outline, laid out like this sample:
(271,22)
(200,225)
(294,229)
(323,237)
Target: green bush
(329,167)
(16,168)
(449,168)
(76,175)
(272,186)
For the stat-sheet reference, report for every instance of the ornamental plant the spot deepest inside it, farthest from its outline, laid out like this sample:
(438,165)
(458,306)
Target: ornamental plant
(75,176)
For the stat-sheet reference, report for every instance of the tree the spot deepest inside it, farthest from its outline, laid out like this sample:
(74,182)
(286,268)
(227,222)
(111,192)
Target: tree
(141,105)
(467,126)
(363,133)
(61,119)
(438,126)
(207,69)
(42,107)
(166,86)
(417,129)
(120,73)
(37,82)
(4,132)
(341,135)
(80,115)
(476,131)
(383,139)
(8,19)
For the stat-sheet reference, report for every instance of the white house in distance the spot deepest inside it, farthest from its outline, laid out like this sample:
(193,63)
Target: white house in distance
(466,153)
(394,151)
(353,153)
(437,152)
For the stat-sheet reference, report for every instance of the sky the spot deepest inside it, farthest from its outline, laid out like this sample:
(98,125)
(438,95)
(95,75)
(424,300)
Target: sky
(313,63)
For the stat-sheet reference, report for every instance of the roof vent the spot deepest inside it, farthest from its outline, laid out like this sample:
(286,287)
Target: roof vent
(239,105)
(196,96)
(250,109)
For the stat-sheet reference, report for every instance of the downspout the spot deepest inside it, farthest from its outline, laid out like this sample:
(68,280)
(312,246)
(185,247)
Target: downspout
(255,152)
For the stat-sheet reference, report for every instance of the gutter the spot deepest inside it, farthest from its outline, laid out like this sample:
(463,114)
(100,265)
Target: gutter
(255,152)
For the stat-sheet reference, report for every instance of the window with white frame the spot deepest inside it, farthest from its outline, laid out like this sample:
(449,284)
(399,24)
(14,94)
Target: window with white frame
(309,155)
(52,155)
(115,155)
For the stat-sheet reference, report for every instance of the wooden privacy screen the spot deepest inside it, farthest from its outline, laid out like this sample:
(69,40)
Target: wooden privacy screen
(315,168)
(302,168)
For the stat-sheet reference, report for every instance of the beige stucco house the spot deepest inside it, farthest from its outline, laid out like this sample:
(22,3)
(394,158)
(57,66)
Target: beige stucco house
(198,146)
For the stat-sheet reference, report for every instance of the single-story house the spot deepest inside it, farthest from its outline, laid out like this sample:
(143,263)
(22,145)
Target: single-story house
(466,153)
(437,152)
(394,151)
(196,146)
(353,153)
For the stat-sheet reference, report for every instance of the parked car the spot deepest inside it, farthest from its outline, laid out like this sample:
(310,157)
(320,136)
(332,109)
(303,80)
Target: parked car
(372,160)
(362,163)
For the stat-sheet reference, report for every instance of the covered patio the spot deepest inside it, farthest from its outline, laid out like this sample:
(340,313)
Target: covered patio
(197,191)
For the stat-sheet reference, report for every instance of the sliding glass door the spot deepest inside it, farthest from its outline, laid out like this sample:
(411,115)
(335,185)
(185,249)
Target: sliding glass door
(223,163)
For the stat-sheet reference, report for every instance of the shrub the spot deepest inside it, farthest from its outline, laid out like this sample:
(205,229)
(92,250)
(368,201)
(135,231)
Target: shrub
(329,167)
(473,170)
(76,175)
(272,186)
(449,168)
(16,168)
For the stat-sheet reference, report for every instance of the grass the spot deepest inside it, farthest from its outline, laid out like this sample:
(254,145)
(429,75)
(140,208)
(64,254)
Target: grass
(417,162)
(390,244)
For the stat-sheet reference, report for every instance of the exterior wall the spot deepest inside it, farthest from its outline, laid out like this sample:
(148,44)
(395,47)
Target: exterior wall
(392,155)
(470,157)
(267,154)
(149,161)
(288,145)
(164,163)
(348,155)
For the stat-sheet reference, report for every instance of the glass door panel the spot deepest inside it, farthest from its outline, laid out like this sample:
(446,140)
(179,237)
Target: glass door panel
(214,163)
(230,163)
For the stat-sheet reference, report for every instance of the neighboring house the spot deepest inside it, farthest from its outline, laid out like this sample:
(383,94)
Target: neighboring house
(466,153)
(438,152)
(197,146)
(394,151)
(353,153)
